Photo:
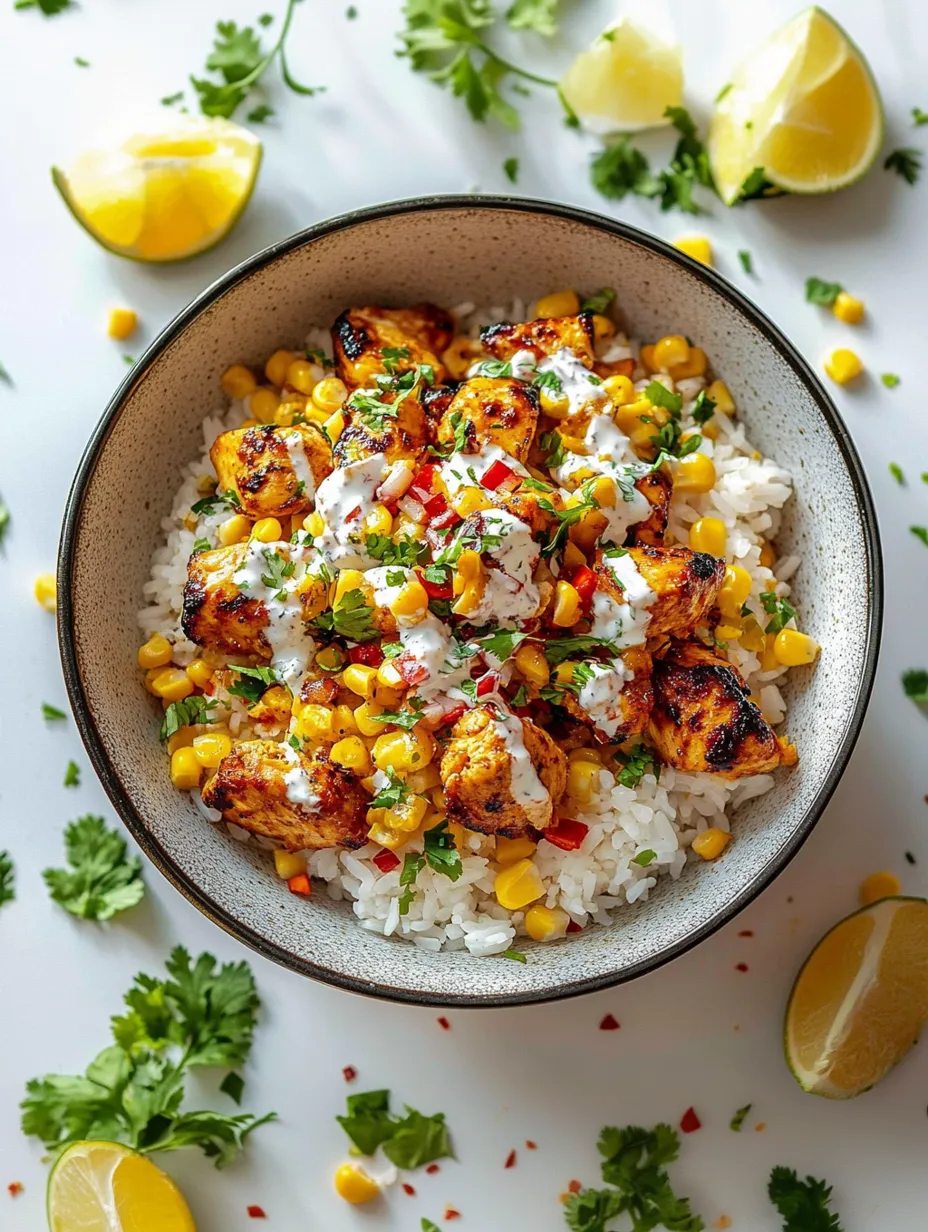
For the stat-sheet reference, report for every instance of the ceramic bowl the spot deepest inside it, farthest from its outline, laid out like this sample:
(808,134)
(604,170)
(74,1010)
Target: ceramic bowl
(451,249)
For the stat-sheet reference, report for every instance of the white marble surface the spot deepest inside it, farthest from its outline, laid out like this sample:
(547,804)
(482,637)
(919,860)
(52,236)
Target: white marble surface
(698,1032)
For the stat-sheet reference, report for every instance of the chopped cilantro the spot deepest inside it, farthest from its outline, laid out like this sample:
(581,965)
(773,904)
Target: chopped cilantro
(514,955)
(409,1142)
(279,569)
(351,618)
(553,446)
(890,380)
(659,395)
(644,858)
(738,1119)
(599,303)
(253,682)
(804,1206)
(7,879)
(703,408)
(501,644)
(413,862)
(747,263)
(187,713)
(208,504)
(566,518)
(557,649)
(351,12)
(81,62)
(781,611)
(906,162)
(896,471)
(407,551)
(72,775)
(511,169)
(260,114)
(820,292)
(919,117)
(52,714)
(394,794)
(170,99)
(202,545)
(920,532)
(441,855)
(406,719)
(519,698)
(634,766)
(915,685)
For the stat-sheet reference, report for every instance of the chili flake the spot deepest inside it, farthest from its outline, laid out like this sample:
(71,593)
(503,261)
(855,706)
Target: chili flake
(746,932)
(349,1073)
(574,1186)
(256,1212)
(451,1213)
(723,1221)
(741,966)
(15,1188)
(609,1023)
(530,1145)
(690,1122)
(444,1023)
(760,1127)
(510,1160)
(432,1169)
(408,1189)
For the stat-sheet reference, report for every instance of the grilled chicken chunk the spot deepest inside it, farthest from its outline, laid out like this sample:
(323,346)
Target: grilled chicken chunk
(657,487)
(492,411)
(360,336)
(302,801)
(274,470)
(702,720)
(546,336)
(686,584)
(402,436)
(501,775)
(617,702)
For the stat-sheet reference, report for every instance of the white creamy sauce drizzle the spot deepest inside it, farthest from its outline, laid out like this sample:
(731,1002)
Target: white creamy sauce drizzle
(291,646)
(623,624)
(510,596)
(610,453)
(583,388)
(525,785)
(296,448)
(343,499)
(298,783)
(466,470)
(386,592)
(601,695)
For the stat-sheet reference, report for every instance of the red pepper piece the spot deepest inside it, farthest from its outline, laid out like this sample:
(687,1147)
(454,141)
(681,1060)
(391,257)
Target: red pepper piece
(15,1188)
(432,1169)
(436,590)
(690,1122)
(369,654)
(300,884)
(584,583)
(741,966)
(408,1189)
(423,482)
(510,1160)
(444,1023)
(488,684)
(530,1145)
(349,1073)
(453,715)
(435,505)
(256,1212)
(386,861)
(350,517)
(566,834)
(574,1186)
(609,1023)
(574,927)
(451,1213)
(447,519)
(496,475)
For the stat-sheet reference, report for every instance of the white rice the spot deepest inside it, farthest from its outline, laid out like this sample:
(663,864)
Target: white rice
(660,815)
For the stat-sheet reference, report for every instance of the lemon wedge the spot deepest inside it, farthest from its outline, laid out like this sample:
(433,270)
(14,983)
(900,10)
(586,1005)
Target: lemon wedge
(105,1187)
(164,195)
(625,82)
(860,1000)
(803,112)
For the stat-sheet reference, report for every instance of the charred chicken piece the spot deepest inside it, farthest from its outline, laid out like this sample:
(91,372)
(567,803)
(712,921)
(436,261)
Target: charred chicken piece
(361,335)
(275,471)
(492,411)
(543,337)
(686,584)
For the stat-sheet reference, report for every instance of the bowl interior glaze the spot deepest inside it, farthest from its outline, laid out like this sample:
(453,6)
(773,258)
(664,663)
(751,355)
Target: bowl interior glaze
(451,250)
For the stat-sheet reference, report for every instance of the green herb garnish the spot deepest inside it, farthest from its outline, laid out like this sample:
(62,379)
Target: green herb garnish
(738,1119)
(441,855)
(102,880)
(804,1206)
(644,858)
(407,552)
(635,765)
(7,879)
(820,292)
(896,471)
(52,714)
(72,775)
(780,610)
(514,955)
(187,713)
(920,532)
(747,263)
(253,682)
(501,644)
(394,794)
(351,618)
(890,380)
(407,719)
(915,685)
(906,162)
(599,303)
(207,505)
(511,169)
(409,1141)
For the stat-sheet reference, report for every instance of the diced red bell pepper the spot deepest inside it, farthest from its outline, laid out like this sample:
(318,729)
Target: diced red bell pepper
(452,716)
(488,684)
(355,512)
(300,884)
(566,834)
(423,483)
(369,654)
(446,519)
(690,1121)
(255,1212)
(583,581)
(496,475)
(436,590)
(574,927)
(435,505)
(386,861)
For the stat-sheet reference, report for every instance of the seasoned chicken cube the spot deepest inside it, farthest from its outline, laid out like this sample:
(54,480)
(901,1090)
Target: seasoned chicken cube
(301,800)
(657,487)
(367,432)
(361,335)
(501,774)
(492,411)
(703,721)
(543,337)
(275,471)
(435,401)
(615,697)
(685,582)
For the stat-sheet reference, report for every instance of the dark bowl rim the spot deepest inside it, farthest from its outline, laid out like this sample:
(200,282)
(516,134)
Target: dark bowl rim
(107,773)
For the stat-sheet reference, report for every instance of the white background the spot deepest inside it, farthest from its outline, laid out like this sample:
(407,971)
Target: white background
(697,1032)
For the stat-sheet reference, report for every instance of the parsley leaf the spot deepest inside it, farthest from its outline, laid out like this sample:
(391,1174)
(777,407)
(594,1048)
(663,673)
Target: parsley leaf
(781,611)
(351,618)
(537,15)
(102,880)
(915,685)
(394,795)
(253,682)
(906,162)
(72,776)
(633,766)
(409,1141)
(407,551)
(7,879)
(412,864)
(659,395)
(187,713)
(919,117)
(441,855)
(553,446)
(738,1119)
(511,169)
(747,262)
(566,518)
(407,718)
(4,520)
(229,500)
(620,169)
(703,408)
(920,532)
(644,858)
(896,471)
(804,1206)
(599,303)
(820,292)
(500,644)
(52,714)
(557,649)
(49,7)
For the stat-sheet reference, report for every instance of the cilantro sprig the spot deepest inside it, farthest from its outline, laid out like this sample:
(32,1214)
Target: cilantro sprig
(409,1141)
(102,880)
(804,1206)
(187,713)
(622,168)
(781,611)
(253,682)
(820,292)
(351,618)
(915,685)
(906,162)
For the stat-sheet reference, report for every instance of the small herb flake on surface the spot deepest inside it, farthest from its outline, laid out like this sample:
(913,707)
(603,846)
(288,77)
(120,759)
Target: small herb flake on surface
(747,263)
(804,1206)
(514,955)
(49,7)
(260,114)
(4,520)
(511,168)
(351,12)
(170,99)
(738,1119)
(919,117)
(896,471)
(906,162)
(7,879)
(72,776)
(5,377)
(915,685)
(920,532)
(409,1141)
(890,379)
(81,62)
(102,881)
(52,714)
(820,292)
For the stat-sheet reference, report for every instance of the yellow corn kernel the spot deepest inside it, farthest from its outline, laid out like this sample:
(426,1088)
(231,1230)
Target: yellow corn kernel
(711,843)
(263,404)
(603,328)
(696,246)
(709,535)
(752,636)
(181,739)
(233,530)
(646,356)
(388,674)
(335,425)
(378,520)
(352,754)
(458,834)
(386,696)
(314,524)
(546,923)
(554,403)
(470,500)
(558,304)
(172,684)
(422,781)
(843,366)
(276,367)
(719,393)
(238,381)
(359,678)
(403,751)
(511,850)
(46,592)
(290,412)
(795,649)
(517,885)
(566,606)
(268,530)
(573,557)
(769,661)
(330,659)
(710,430)
(582,780)
(470,582)
(330,394)
(768,557)
(364,719)
(694,473)
(384,836)
(199,672)
(640,414)
(437,796)
(877,886)
(185,769)
(190,521)
(315,723)
(122,323)
(459,356)
(695,365)
(211,748)
(355,1186)
(411,601)
(587,754)
(671,350)
(348,579)
(532,664)
(288,864)
(564,672)
(620,389)
(156,652)
(300,376)
(406,817)
(848,309)
(734,592)
(343,722)
(728,633)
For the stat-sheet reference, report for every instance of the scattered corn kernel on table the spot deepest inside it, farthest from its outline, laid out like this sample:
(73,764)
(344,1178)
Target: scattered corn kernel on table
(703,1033)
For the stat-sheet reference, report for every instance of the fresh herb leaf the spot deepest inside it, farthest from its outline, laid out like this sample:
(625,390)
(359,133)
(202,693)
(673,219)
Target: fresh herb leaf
(738,1119)
(7,879)
(229,500)
(426,1225)
(781,611)
(253,682)
(409,1141)
(537,15)
(896,471)
(747,263)
(81,62)
(634,766)
(201,545)
(511,169)
(351,618)
(5,377)
(644,858)
(519,698)
(170,99)
(501,644)
(890,380)
(260,114)
(72,775)
(703,408)
(407,719)
(187,713)
(553,446)
(915,685)
(441,855)
(52,714)
(919,117)
(413,863)
(514,955)
(50,8)
(407,552)
(233,1085)
(4,520)
(820,292)
(920,532)
(103,880)
(394,795)
(620,169)
(557,649)
(906,162)
(599,303)
(804,1206)
(659,395)
(566,518)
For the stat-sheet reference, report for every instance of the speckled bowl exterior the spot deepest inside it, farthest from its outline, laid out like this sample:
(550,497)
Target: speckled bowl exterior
(452,249)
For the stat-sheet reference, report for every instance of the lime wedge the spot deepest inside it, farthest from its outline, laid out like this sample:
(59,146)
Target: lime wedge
(802,113)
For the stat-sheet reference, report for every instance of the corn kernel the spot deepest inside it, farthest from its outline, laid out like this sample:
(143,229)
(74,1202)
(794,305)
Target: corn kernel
(877,886)
(848,309)
(211,748)
(422,781)
(532,664)
(587,754)
(518,885)
(335,425)
(364,719)
(181,739)
(795,649)
(378,520)
(769,661)
(564,672)
(156,652)
(554,403)
(238,381)
(582,780)
(546,923)
(711,843)
(359,678)
(355,1186)
(603,327)
(199,672)
(122,323)
(301,376)
(843,366)
(411,602)
(752,636)
(694,473)
(315,723)
(329,658)
(352,754)
(288,864)
(349,579)
(330,394)
(276,367)
(573,557)
(185,769)
(46,592)
(646,356)
(719,393)
(405,817)
(511,850)
(172,684)
(314,524)
(671,350)
(696,246)
(470,500)
(709,535)
(263,404)
(291,411)
(734,591)
(233,530)
(695,365)
(728,633)
(343,722)
(403,751)
(459,356)
(267,530)
(566,606)
(620,389)
(768,557)
(558,304)
(387,697)
(388,674)
(470,582)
